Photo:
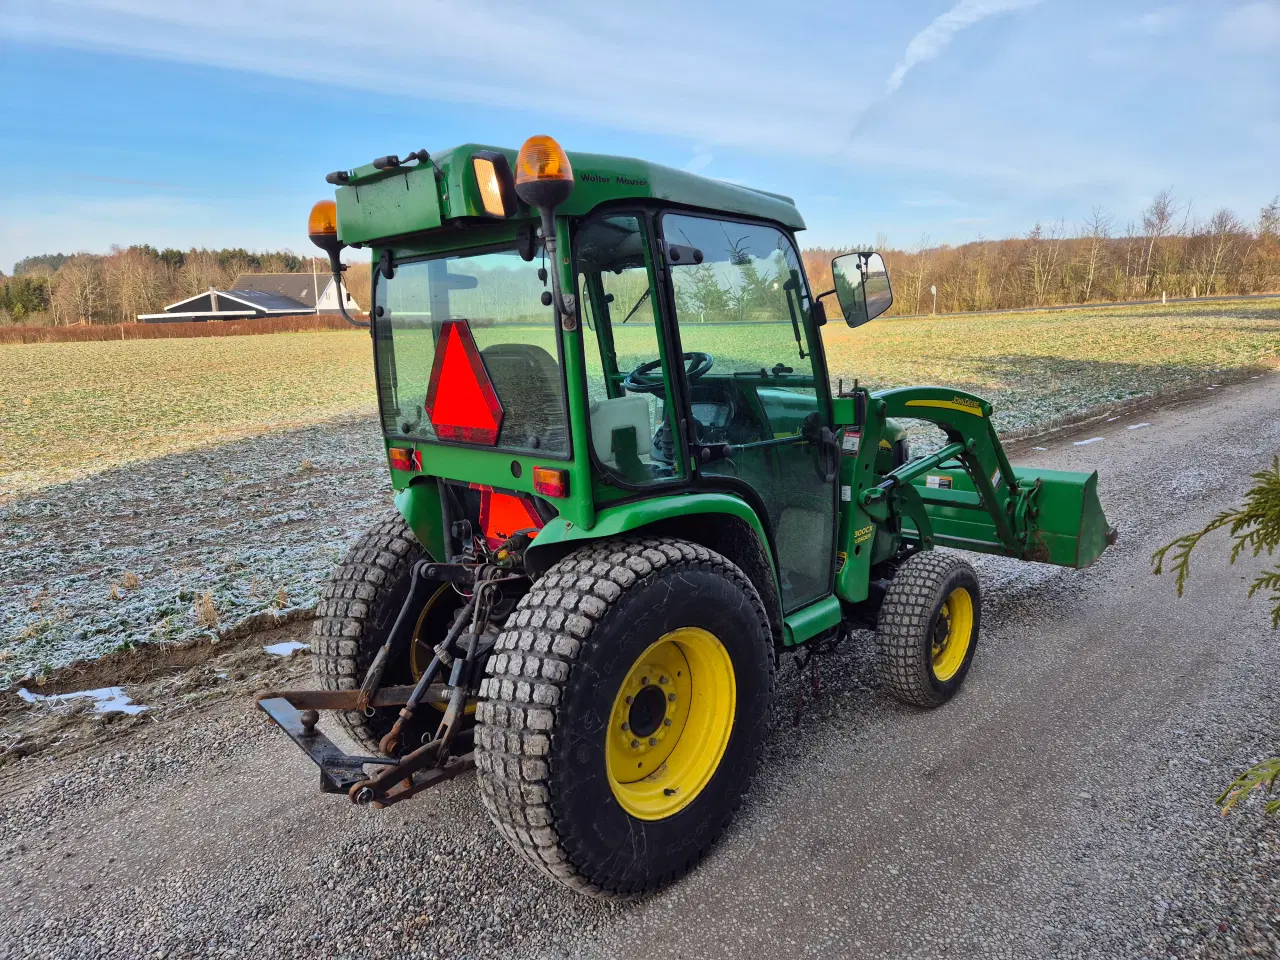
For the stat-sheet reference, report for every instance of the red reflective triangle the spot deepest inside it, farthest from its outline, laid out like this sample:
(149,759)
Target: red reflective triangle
(461,401)
(502,514)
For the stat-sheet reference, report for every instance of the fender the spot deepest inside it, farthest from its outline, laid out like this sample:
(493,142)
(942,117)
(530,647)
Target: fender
(672,515)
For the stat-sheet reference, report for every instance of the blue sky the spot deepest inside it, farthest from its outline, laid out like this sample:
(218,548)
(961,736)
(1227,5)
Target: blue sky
(182,123)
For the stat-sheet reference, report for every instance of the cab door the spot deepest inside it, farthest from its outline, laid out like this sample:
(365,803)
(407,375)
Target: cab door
(758,414)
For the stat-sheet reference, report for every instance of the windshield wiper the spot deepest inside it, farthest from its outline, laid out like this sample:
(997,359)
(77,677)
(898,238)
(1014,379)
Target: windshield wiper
(643,297)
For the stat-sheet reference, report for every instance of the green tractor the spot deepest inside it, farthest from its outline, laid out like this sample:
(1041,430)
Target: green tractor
(623,485)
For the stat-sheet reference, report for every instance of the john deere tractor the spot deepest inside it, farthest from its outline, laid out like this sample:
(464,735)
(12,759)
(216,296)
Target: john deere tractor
(623,486)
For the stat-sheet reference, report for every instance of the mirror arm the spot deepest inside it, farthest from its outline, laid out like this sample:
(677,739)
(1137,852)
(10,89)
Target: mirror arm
(829,293)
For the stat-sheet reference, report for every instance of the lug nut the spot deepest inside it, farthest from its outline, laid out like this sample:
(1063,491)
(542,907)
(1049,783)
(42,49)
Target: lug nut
(635,743)
(666,722)
(653,741)
(626,727)
(662,679)
(629,699)
(671,697)
(644,681)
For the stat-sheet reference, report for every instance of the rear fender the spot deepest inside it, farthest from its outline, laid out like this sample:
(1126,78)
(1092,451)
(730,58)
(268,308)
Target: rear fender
(718,521)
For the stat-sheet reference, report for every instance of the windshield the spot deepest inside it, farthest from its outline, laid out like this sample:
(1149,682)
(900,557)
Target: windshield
(494,297)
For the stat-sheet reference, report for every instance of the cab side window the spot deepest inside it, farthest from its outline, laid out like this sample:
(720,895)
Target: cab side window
(630,422)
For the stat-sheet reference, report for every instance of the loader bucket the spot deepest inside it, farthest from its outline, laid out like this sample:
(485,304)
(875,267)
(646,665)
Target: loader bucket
(1068,527)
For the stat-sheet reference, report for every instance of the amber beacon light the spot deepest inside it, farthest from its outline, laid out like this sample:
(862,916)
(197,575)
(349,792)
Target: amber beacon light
(322,228)
(544,179)
(544,176)
(322,224)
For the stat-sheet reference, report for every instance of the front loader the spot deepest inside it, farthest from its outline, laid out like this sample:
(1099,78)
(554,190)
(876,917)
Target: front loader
(623,484)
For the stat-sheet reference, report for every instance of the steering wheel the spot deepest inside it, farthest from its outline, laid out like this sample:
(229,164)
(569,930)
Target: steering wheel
(639,381)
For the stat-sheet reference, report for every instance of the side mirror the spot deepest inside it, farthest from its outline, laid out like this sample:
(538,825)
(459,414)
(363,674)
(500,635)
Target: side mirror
(862,286)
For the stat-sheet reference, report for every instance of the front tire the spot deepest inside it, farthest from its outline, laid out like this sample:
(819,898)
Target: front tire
(927,630)
(596,758)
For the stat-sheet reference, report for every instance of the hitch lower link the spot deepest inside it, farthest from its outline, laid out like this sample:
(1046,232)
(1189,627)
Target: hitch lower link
(449,752)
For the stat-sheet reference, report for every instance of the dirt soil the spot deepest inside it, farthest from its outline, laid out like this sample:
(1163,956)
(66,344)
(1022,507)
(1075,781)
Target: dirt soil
(1060,806)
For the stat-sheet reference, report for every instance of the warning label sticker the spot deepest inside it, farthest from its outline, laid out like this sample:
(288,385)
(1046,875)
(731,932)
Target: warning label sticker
(852,441)
(937,482)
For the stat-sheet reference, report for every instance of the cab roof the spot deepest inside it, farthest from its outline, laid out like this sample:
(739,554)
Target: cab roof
(445,190)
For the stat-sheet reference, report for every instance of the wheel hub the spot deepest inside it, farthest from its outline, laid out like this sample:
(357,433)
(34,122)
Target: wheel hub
(648,709)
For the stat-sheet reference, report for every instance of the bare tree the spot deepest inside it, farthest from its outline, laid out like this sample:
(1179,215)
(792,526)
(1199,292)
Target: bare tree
(916,271)
(1225,229)
(77,291)
(1044,249)
(1157,221)
(1096,233)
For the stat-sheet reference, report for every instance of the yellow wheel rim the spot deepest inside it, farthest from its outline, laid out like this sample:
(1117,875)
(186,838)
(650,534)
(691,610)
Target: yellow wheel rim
(952,634)
(670,723)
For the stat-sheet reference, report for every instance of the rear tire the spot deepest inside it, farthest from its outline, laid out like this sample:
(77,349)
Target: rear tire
(357,609)
(550,756)
(927,631)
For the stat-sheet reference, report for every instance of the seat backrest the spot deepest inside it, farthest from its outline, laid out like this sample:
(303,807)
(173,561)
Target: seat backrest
(527,380)
(619,413)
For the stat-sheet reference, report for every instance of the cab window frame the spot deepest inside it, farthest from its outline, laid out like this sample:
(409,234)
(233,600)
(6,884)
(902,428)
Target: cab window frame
(645,216)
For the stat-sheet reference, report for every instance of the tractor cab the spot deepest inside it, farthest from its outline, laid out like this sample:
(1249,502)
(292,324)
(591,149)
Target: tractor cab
(689,360)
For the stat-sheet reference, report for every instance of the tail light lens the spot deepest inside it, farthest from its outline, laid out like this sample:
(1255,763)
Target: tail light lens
(403,458)
(551,482)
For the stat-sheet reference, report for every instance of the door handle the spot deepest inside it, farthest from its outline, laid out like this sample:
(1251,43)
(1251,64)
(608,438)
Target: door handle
(828,455)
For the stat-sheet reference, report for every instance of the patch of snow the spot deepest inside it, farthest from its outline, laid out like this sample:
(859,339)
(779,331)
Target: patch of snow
(105,699)
(1137,426)
(286,649)
(1085,443)
(1039,448)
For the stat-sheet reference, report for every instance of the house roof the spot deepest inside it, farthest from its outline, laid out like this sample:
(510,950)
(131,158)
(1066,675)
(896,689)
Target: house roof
(251,299)
(302,287)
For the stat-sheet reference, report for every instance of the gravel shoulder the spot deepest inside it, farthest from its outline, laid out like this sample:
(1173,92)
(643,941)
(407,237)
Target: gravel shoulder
(1061,806)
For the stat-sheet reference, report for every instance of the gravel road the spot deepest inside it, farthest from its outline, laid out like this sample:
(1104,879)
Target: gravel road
(1061,806)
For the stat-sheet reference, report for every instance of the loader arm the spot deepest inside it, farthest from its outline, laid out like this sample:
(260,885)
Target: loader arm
(966,495)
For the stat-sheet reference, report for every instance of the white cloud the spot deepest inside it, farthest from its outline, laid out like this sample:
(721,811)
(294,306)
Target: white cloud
(1155,21)
(576,58)
(1254,25)
(933,39)
(701,160)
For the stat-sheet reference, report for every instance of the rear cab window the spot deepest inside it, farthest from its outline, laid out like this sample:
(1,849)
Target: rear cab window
(495,297)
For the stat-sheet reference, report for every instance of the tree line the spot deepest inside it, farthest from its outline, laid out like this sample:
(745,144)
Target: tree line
(1168,251)
(86,288)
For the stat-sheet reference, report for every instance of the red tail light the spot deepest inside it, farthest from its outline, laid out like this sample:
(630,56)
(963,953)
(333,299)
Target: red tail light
(551,482)
(461,401)
(405,459)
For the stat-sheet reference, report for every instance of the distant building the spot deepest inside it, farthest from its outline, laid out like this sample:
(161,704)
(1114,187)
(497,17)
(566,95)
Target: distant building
(258,295)
(317,292)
